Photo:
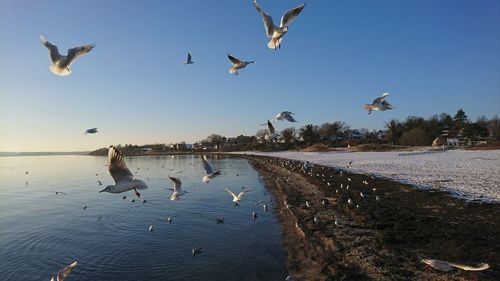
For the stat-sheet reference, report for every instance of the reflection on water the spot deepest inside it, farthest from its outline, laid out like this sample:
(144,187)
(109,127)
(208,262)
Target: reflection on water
(41,231)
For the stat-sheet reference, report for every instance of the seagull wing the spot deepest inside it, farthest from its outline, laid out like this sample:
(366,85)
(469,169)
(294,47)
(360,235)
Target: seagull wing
(232,193)
(289,117)
(176,183)
(117,166)
(233,60)
(270,126)
(76,52)
(243,193)
(206,165)
(267,19)
(63,273)
(291,14)
(53,51)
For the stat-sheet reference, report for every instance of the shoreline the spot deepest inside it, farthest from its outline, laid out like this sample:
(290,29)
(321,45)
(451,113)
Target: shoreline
(381,239)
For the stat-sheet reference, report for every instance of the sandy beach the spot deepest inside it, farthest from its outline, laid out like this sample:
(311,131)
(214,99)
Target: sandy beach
(382,239)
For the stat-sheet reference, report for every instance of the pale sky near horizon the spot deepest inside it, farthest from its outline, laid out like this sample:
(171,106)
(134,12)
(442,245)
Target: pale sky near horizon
(432,56)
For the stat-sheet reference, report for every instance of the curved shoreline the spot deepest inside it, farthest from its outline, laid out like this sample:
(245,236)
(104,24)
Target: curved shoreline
(381,239)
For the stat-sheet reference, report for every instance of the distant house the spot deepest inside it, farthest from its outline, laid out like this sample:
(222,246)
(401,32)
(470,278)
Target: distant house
(355,135)
(146,149)
(452,142)
(381,135)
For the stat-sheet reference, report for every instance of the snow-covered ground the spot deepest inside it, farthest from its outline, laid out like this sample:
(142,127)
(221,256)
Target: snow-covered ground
(473,175)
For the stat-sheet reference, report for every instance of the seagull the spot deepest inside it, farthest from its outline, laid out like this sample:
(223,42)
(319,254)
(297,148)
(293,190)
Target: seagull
(285,115)
(237,198)
(189,59)
(220,220)
(276,33)
(196,251)
(337,222)
(151,228)
(61,64)
(177,191)
(254,215)
(315,219)
(60,192)
(124,197)
(208,169)
(237,64)
(448,266)
(124,180)
(63,273)
(379,104)
(99,182)
(91,131)
(271,131)
(169,219)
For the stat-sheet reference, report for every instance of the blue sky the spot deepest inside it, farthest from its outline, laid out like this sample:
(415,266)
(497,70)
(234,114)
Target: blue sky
(433,56)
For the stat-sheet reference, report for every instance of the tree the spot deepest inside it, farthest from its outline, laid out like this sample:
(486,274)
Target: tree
(215,140)
(331,130)
(309,134)
(460,119)
(289,135)
(475,131)
(413,137)
(261,134)
(394,131)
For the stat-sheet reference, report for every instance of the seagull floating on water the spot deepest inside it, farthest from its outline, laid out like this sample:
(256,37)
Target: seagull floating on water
(91,131)
(237,198)
(177,191)
(61,64)
(378,104)
(237,64)
(210,174)
(189,59)
(169,219)
(151,228)
(276,33)
(196,251)
(63,273)
(220,220)
(60,192)
(124,180)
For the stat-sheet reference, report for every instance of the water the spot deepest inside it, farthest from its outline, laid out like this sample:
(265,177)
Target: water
(41,232)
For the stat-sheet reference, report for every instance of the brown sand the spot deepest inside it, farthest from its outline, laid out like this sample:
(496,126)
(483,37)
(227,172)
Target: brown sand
(381,239)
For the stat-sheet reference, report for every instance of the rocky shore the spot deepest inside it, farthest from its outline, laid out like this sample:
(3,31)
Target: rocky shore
(343,226)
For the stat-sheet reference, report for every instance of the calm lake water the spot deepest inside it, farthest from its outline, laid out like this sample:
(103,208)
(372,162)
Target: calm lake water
(41,232)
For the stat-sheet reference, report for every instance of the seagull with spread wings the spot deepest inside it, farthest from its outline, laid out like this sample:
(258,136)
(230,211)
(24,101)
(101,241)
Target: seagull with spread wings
(63,273)
(60,65)
(176,188)
(276,33)
(91,131)
(237,64)
(237,198)
(210,174)
(378,104)
(124,180)
(285,115)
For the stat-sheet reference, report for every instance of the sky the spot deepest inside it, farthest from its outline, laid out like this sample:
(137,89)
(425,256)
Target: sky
(433,56)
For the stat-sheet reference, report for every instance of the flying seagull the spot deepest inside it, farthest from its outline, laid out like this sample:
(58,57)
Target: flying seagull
(448,266)
(189,59)
(61,64)
(237,198)
(177,191)
(379,104)
(237,64)
(91,131)
(271,131)
(124,180)
(63,273)
(276,33)
(285,115)
(210,174)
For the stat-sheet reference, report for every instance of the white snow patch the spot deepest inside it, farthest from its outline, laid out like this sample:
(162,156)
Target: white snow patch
(473,175)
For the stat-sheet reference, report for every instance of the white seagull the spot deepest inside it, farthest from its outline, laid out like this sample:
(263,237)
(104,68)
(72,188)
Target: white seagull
(379,104)
(276,33)
(61,64)
(177,191)
(124,180)
(208,169)
(189,59)
(63,273)
(271,132)
(237,198)
(237,64)
(285,115)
